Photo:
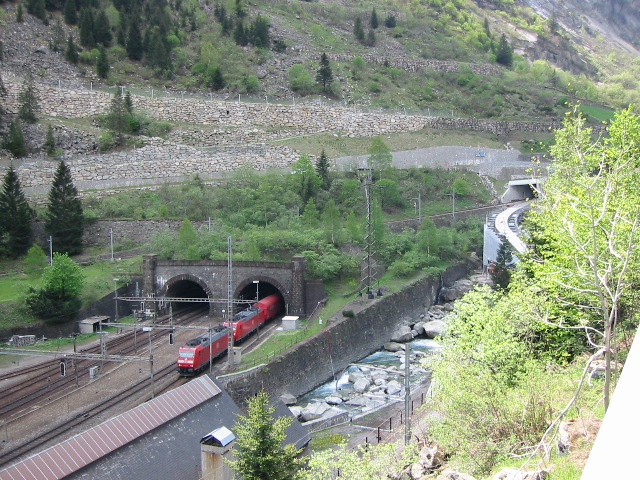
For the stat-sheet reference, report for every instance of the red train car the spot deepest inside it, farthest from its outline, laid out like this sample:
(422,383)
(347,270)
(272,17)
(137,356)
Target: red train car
(248,320)
(195,355)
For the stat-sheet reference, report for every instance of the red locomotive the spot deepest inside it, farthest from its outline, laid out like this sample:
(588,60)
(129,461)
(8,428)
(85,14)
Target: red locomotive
(194,356)
(248,320)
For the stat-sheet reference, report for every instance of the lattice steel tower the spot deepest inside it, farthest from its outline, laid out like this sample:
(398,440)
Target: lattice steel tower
(369,267)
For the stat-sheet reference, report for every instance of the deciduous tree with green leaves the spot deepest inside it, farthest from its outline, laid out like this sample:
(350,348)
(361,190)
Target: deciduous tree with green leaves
(586,226)
(59,298)
(380,157)
(304,178)
(259,450)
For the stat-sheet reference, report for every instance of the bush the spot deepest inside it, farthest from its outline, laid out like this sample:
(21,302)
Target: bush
(106,141)
(300,80)
(348,313)
(252,84)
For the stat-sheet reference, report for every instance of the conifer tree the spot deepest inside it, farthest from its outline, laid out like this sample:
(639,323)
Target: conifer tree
(324,75)
(373,21)
(103,29)
(19,13)
(14,141)
(260,32)
(118,117)
(64,216)
(260,451)
(57,37)
(371,38)
(71,53)
(501,275)
(70,13)
(87,28)
(28,100)
(216,79)
(322,169)
(504,55)
(38,10)
(240,34)
(50,142)
(134,41)
(15,217)
(390,21)
(102,64)
(358,31)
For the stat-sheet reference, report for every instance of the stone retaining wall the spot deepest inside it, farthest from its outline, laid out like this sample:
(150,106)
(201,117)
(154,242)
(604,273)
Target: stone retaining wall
(344,341)
(223,123)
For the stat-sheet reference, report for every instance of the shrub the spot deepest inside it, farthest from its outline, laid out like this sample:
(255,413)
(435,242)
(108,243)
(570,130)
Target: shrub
(348,313)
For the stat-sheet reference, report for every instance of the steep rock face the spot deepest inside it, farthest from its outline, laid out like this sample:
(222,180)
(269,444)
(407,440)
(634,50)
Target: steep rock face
(585,20)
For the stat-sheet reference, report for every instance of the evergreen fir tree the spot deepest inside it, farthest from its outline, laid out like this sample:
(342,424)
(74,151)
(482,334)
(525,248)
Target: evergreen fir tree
(358,31)
(390,21)
(121,34)
(240,35)
(373,21)
(260,451)
(64,216)
(49,142)
(324,75)
(39,11)
(128,103)
(216,79)
(15,217)
(103,29)
(240,11)
(159,55)
(371,38)
(322,169)
(28,100)
(57,37)
(71,53)
(14,141)
(500,273)
(70,13)
(260,32)
(102,64)
(504,55)
(87,28)
(118,117)
(19,13)
(134,41)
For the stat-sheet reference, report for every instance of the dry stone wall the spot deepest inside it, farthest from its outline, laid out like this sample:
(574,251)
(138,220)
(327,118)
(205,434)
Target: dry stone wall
(220,124)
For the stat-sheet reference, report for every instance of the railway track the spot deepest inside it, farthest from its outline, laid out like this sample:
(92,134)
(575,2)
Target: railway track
(44,383)
(139,388)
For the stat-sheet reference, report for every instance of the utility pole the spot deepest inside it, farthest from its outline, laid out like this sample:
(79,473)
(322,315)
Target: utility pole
(230,359)
(407,395)
(418,199)
(111,242)
(50,250)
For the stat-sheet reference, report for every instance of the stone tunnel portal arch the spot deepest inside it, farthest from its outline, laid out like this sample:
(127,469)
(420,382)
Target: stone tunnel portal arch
(260,287)
(187,286)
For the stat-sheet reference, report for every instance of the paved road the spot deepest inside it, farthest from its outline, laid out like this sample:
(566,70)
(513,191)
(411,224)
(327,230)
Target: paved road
(497,163)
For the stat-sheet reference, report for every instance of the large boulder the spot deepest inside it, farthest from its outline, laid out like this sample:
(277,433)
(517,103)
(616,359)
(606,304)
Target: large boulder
(333,400)
(313,411)
(393,387)
(295,411)
(434,329)
(430,458)
(450,474)
(361,385)
(393,347)
(511,473)
(288,399)
(419,328)
(402,335)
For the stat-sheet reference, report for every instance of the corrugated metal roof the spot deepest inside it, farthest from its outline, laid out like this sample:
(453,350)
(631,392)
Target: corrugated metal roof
(76,453)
